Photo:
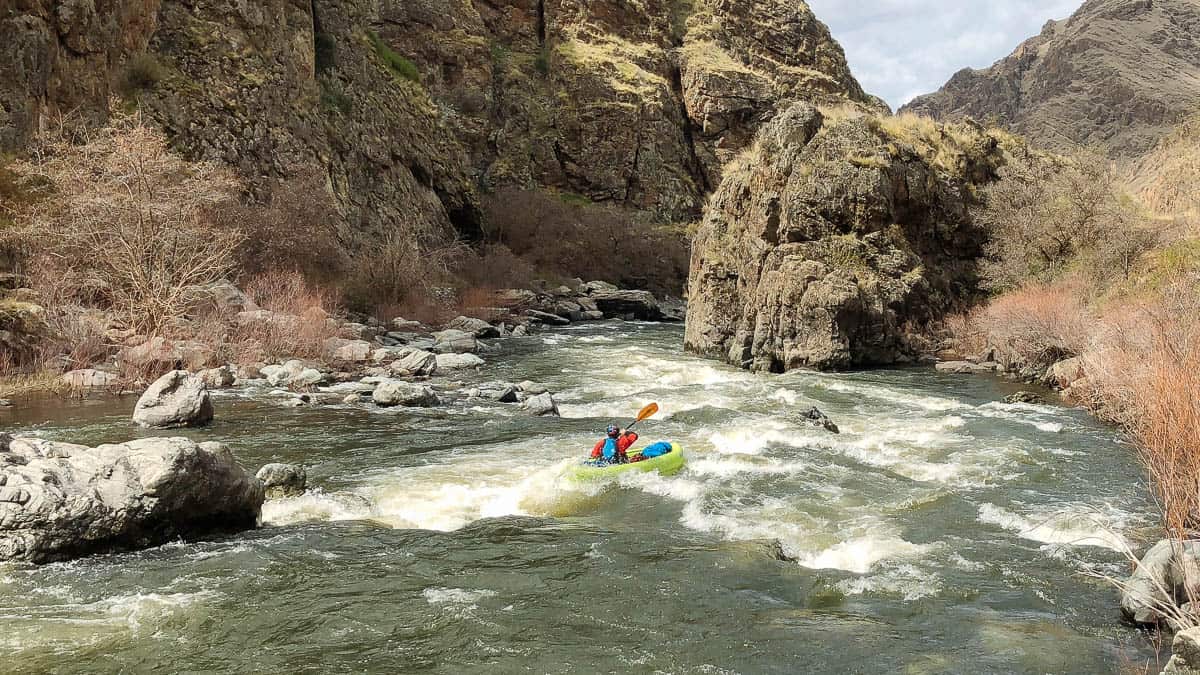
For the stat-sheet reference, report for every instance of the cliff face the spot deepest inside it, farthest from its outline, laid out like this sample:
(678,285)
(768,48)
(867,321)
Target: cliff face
(833,240)
(1118,74)
(410,108)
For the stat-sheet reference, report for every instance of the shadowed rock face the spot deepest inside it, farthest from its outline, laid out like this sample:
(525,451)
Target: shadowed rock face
(831,242)
(60,501)
(405,108)
(1118,74)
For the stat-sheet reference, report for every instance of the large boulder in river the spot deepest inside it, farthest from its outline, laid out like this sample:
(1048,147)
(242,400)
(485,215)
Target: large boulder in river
(283,480)
(417,363)
(61,501)
(390,393)
(542,405)
(458,361)
(177,399)
(832,240)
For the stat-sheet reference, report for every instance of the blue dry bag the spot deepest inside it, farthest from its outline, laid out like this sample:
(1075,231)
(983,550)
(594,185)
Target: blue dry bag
(656,450)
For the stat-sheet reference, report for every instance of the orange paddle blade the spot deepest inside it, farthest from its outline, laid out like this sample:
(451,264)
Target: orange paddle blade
(647,411)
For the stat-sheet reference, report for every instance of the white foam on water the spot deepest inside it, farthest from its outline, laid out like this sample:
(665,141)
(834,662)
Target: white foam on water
(894,396)
(1072,525)
(459,596)
(860,554)
(315,505)
(906,581)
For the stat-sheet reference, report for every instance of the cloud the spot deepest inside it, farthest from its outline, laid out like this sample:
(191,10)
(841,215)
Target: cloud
(899,49)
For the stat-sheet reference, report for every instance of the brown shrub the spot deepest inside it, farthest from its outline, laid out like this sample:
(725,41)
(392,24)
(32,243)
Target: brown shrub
(564,236)
(129,220)
(295,228)
(302,326)
(1037,325)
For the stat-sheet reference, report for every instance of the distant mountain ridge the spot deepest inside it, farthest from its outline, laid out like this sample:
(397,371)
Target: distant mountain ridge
(1119,75)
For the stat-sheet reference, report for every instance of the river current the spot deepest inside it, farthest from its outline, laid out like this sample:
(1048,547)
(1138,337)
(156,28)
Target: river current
(943,531)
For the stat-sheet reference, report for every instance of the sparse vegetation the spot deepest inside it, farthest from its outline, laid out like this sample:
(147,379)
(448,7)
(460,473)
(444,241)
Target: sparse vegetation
(399,66)
(141,72)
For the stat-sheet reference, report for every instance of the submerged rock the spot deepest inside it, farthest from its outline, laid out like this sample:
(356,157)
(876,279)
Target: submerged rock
(964,367)
(177,399)
(283,480)
(815,418)
(1024,397)
(62,501)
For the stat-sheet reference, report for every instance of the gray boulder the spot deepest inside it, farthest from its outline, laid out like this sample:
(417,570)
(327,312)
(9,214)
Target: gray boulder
(454,342)
(532,388)
(1065,373)
(542,405)
(520,331)
(1185,653)
(177,399)
(283,480)
(1024,397)
(477,327)
(547,318)
(218,378)
(630,304)
(416,362)
(1167,573)
(390,393)
(294,373)
(90,378)
(458,361)
(226,298)
(63,501)
(350,351)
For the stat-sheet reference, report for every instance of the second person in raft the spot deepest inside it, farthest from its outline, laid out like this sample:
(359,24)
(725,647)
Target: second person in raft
(611,449)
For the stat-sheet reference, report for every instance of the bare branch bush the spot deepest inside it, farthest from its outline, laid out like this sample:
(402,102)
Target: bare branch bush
(130,220)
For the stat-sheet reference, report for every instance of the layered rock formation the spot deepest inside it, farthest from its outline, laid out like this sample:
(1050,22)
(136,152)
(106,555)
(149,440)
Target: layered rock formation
(60,500)
(1118,74)
(833,238)
(403,109)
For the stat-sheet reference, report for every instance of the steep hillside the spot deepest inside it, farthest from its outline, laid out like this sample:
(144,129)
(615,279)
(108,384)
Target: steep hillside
(410,110)
(1118,74)
(1167,179)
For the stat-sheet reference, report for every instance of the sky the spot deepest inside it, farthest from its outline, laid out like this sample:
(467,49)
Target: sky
(901,48)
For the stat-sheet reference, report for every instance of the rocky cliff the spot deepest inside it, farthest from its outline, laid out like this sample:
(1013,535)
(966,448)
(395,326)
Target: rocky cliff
(835,238)
(1118,74)
(409,109)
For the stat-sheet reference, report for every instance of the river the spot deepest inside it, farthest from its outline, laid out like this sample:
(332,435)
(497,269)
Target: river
(942,531)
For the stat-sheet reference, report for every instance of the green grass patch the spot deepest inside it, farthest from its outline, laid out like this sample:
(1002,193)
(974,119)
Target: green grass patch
(400,66)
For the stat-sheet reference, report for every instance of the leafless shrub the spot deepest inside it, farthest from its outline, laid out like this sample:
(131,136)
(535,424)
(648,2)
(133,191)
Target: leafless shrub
(566,237)
(299,328)
(130,219)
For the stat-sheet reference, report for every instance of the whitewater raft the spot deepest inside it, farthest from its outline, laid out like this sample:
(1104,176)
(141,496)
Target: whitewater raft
(666,465)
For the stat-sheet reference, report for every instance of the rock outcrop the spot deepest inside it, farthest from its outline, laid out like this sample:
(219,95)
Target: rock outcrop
(1185,653)
(401,109)
(836,238)
(391,393)
(1167,575)
(60,501)
(1118,74)
(177,399)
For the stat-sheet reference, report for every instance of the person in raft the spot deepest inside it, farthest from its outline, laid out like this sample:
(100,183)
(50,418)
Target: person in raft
(611,449)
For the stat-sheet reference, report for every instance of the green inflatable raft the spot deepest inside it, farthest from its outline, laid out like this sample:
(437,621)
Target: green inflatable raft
(666,465)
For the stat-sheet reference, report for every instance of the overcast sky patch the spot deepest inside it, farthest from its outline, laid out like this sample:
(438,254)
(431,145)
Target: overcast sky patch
(899,49)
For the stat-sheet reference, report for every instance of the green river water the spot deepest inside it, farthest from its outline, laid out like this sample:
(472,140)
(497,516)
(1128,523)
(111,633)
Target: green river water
(942,532)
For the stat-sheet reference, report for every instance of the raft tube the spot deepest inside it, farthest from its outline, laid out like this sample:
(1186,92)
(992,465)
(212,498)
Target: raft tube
(666,465)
